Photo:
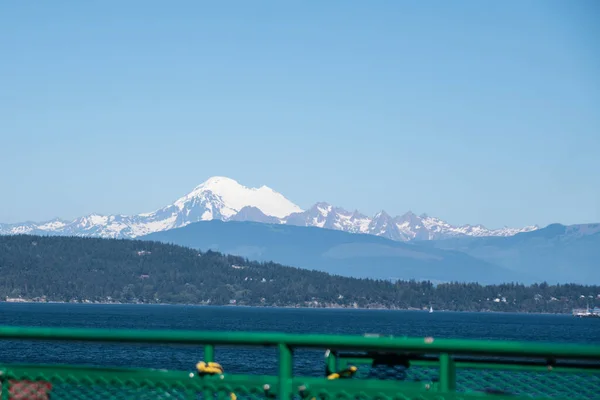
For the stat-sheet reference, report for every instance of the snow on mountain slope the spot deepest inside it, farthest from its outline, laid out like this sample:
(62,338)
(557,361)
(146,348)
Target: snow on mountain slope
(384,225)
(225,199)
(234,197)
(324,215)
(403,228)
(583,230)
(217,198)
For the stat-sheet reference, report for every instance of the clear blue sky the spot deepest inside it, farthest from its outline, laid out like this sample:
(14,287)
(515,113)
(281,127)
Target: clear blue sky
(472,111)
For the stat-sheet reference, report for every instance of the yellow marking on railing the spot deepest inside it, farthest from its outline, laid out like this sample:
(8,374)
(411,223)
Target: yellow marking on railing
(346,373)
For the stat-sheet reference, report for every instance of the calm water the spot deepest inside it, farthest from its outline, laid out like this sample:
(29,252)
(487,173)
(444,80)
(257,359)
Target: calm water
(546,328)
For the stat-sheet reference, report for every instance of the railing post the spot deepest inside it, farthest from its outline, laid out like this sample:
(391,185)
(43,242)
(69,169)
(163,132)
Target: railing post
(209,353)
(447,373)
(285,371)
(330,362)
(209,356)
(4,385)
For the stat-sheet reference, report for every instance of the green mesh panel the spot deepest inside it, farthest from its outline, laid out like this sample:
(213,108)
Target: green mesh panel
(117,385)
(496,381)
(61,386)
(534,384)
(404,370)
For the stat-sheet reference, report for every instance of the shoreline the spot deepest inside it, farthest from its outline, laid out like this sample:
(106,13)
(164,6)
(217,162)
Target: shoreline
(375,308)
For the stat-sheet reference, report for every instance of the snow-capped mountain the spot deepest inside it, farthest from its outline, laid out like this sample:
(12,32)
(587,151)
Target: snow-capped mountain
(323,215)
(227,200)
(404,228)
(217,198)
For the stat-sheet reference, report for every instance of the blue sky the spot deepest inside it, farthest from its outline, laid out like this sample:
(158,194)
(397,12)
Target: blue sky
(475,112)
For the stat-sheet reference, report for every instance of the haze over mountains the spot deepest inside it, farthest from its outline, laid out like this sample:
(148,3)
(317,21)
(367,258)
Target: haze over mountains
(557,253)
(337,252)
(224,199)
(261,224)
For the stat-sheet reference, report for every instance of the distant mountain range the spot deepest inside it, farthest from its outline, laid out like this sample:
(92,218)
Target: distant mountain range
(337,252)
(555,254)
(224,199)
(261,224)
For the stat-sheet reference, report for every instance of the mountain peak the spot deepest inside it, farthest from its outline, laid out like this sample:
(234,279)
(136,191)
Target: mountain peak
(216,182)
(382,214)
(223,198)
(253,214)
(229,196)
(219,178)
(322,205)
(223,182)
(358,214)
(408,216)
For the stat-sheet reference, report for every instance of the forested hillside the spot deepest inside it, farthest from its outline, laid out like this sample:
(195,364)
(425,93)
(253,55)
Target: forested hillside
(101,270)
(336,252)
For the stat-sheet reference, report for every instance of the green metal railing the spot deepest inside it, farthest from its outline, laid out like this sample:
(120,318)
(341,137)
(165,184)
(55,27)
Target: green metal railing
(355,367)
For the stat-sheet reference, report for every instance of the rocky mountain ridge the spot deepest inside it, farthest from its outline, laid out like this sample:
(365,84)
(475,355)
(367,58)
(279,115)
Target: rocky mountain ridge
(221,198)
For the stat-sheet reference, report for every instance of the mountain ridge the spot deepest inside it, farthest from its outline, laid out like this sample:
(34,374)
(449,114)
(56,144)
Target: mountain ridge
(222,198)
(337,252)
(560,253)
(557,254)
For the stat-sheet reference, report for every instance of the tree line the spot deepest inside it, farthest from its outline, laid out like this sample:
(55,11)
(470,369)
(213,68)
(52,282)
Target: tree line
(58,268)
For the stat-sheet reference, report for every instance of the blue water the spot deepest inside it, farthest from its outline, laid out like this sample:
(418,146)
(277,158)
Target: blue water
(529,327)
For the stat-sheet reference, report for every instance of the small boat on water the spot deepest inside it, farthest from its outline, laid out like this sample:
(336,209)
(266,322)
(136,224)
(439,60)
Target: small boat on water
(430,309)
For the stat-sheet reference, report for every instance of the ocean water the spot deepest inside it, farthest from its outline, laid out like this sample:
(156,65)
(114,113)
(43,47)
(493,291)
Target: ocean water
(494,326)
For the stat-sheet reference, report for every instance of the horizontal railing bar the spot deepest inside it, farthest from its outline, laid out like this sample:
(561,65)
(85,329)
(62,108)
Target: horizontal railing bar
(561,368)
(338,342)
(592,369)
(462,361)
(524,365)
